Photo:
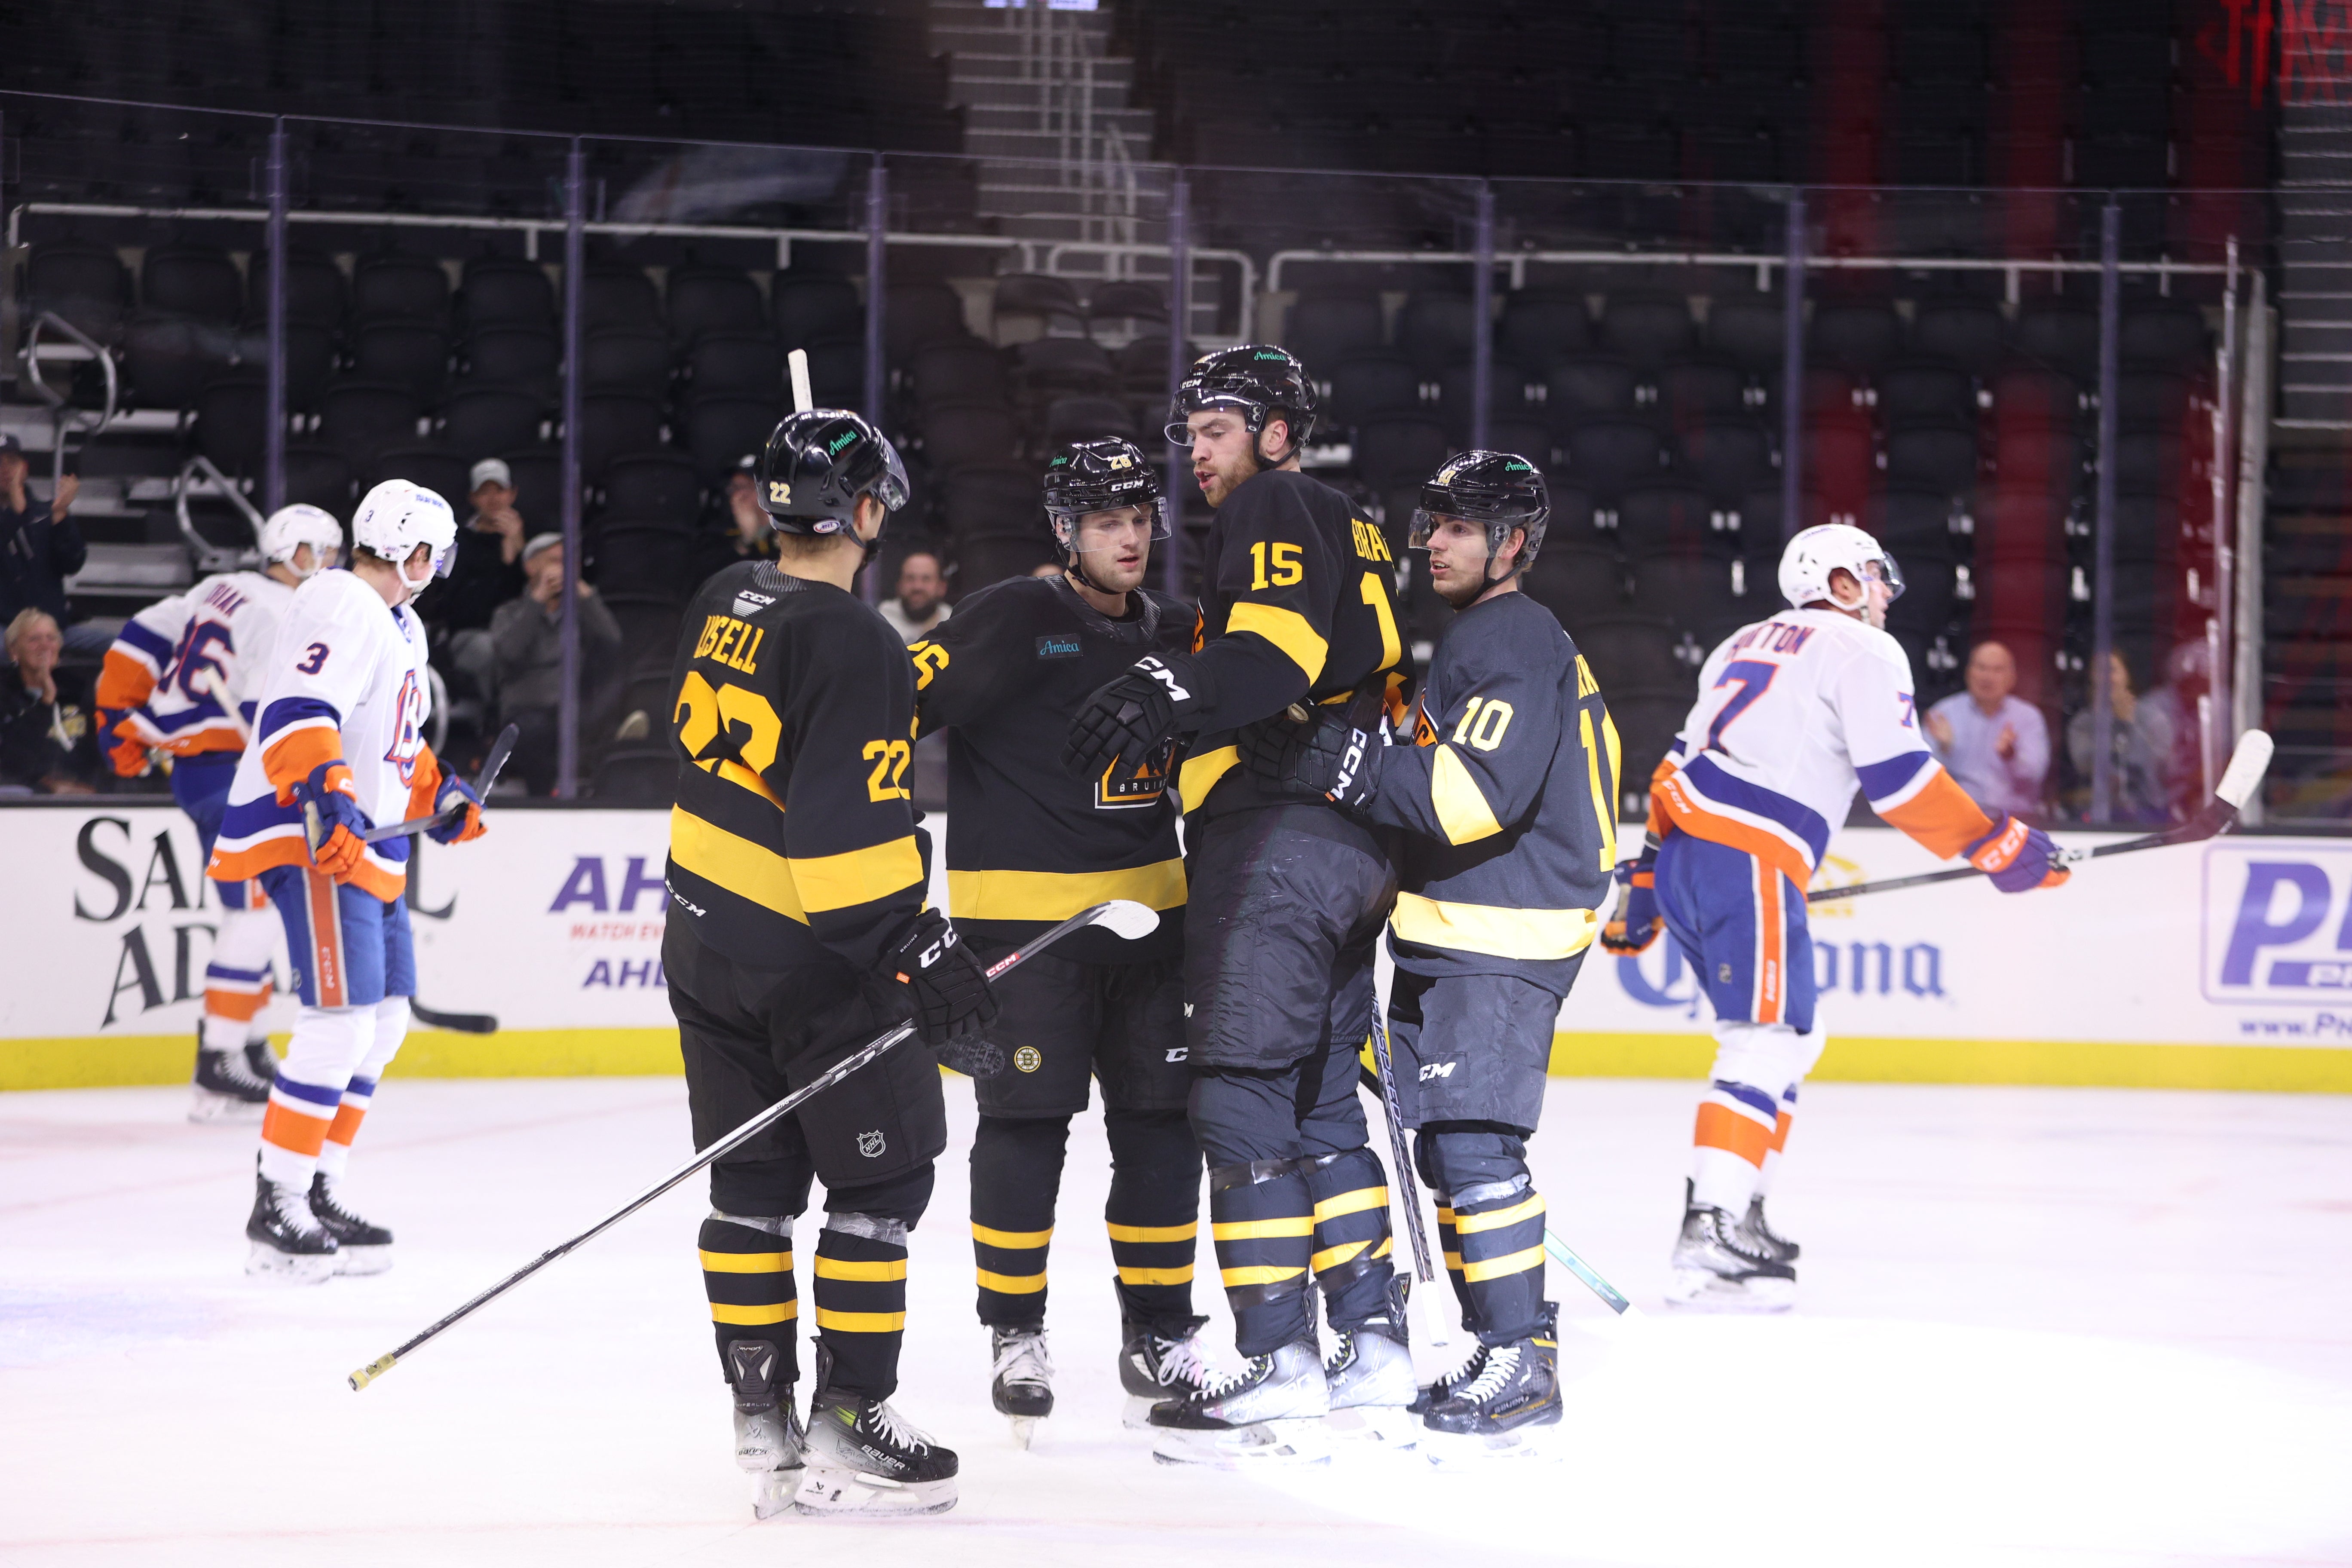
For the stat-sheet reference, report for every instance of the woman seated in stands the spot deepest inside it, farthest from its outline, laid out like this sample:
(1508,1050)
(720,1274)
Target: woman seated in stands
(46,742)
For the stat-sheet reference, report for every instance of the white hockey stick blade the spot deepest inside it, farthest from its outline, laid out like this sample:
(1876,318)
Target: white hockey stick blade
(803,398)
(1126,919)
(2247,765)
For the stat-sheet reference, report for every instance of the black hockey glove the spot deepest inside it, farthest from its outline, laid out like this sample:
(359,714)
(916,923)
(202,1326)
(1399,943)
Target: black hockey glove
(949,992)
(1125,721)
(1324,755)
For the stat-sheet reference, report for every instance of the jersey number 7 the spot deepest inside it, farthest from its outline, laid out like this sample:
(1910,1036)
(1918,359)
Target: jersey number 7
(1752,676)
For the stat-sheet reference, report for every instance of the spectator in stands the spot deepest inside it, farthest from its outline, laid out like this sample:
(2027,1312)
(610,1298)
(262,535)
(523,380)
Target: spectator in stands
(921,603)
(2140,746)
(528,635)
(41,547)
(488,572)
(46,741)
(2186,672)
(750,531)
(1995,743)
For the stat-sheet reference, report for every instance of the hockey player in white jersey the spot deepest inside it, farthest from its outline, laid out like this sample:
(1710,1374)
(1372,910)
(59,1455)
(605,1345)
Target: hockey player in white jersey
(338,745)
(1793,714)
(183,679)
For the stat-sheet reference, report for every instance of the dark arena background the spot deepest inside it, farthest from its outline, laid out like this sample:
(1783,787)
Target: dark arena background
(2053,298)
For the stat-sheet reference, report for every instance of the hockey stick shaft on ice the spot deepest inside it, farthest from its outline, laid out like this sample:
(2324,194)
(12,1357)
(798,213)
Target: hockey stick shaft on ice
(1565,1256)
(2247,765)
(1126,919)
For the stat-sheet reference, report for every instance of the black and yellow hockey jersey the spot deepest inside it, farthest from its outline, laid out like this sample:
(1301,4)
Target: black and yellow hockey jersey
(1508,796)
(1027,845)
(792,711)
(1299,605)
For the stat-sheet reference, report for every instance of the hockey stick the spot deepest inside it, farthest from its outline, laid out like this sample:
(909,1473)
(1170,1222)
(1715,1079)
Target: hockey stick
(492,765)
(1565,1256)
(1408,1189)
(1121,917)
(2247,765)
(803,398)
(458,1023)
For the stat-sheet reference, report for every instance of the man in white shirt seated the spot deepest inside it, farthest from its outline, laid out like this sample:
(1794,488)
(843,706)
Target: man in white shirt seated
(1994,742)
(921,603)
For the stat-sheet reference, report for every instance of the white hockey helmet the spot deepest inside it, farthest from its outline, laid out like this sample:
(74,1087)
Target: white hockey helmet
(1815,552)
(291,526)
(396,517)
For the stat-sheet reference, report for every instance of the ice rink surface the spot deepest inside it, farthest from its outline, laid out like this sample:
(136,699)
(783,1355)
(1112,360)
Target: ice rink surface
(2037,1326)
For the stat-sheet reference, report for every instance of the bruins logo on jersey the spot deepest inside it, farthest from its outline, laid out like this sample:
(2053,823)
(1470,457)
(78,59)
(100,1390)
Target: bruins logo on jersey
(1120,789)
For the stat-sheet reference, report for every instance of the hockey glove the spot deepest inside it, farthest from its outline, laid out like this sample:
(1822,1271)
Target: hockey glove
(1125,721)
(455,826)
(949,993)
(1326,755)
(127,755)
(2017,857)
(332,820)
(1637,924)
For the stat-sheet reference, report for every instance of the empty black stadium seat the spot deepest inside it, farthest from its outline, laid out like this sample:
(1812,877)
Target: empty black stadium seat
(837,372)
(1086,419)
(914,314)
(1324,327)
(538,473)
(1039,300)
(1541,328)
(310,348)
(1967,332)
(1606,455)
(513,355)
(1698,388)
(2152,397)
(403,353)
(478,422)
(992,499)
(1661,519)
(397,288)
(1748,329)
(942,371)
(1700,593)
(1942,457)
(810,306)
(197,281)
(648,622)
(1930,598)
(1841,460)
(1129,300)
(232,422)
(626,359)
(713,300)
(621,424)
(1367,385)
(658,487)
(1761,532)
(1047,368)
(1726,456)
(1859,335)
(1392,451)
(1632,653)
(1507,397)
(82,283)
(751,364)
(2057,336)
(985,561)
(167,360)
(1648,329)
(316,291)
(1574,524)
(362,418)
(434,467)
(2028,454)
(2020,524)
(965,434)
(2147,524)
(321,477)
(2151,457)
(1914,524)
(1587,386)
(2023,391)
(617,296)
(1525,438)
(503,291)
(1932,390)
(1577,585)
(642,557)
(1647,722)
(1436,330)
(2164,334)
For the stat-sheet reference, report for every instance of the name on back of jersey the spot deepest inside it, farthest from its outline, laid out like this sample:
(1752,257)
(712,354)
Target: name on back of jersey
(728,641)
(1370,544)
(1772,636)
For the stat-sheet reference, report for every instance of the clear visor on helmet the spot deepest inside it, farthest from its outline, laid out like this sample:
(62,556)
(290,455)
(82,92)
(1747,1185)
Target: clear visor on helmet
(1883,570)
(445,559)
(1179,431)
(1425,521)
(1113,526)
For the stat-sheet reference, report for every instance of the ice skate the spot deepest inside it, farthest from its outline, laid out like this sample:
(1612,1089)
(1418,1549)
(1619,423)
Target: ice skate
(1021,1379)
(768,1437)
(1761,1237)
(224,1088)
(260,1060)
(359,1247)
(1498,1413)
(1444,1387)
(1716,1270)
(1370,1375)
(863,1458)
(289,1241)
(1154,1367)
(1272,1411)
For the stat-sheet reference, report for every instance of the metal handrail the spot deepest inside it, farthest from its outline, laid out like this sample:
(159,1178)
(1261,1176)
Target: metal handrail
(62,413)
(210,557)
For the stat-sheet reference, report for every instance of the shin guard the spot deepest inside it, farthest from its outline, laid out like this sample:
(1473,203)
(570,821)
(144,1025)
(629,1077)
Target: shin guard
(1262,1217)
(747,1273)
(1499,1229)
(861,1300)
(1352,1243)
(1153,1214)
(1016,1174)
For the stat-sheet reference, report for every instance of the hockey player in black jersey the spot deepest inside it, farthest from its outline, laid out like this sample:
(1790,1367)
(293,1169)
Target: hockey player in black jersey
(1287,897)
(1028,845)
(797,933)
(1506,802)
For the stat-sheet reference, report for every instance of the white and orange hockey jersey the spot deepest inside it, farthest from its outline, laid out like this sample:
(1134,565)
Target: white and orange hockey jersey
(187,670)
(346,682)
(1794,714)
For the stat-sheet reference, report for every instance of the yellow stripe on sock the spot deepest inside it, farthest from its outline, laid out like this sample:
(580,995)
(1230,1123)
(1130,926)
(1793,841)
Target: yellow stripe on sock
(1357,1202)
(1185,1232)
(867,1268)
(747,1262)
(1262,1229)
(1495,1219)
(1445,1214)
(1454,1262)
(1387,1245)
(1014,1238)
(753,1317)
(1509,1263)
(861,1322)
(1011,1284)
(1259,1274)
(1332,1257)
(1155,1276)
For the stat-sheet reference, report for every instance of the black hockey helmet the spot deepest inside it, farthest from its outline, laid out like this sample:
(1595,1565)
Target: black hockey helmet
(1501,490)
(818,462)
(1097,476)
(1259,380)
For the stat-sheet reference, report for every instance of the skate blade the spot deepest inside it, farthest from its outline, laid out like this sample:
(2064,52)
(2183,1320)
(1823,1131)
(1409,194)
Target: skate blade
(836,1493)
(208,1107)
(1697,1291)
(1463,1450)
(362,1259)
(774,1493)
(1136,1415)
(1297,1441)
(265,1262)
(1024,1429)
(1373,1427)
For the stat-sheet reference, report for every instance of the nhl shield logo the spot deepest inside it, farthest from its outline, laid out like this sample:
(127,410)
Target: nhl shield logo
(1028,1058)
(870,1143)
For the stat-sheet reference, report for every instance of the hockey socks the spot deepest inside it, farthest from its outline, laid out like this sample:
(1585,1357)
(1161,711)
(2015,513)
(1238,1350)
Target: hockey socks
(1262,1217)
(747,1274)
(860,1288)
(1153,1216)
(1776,1149)
(1352,1243)
(1497,1257)
(1016,1174)
(1735,1129)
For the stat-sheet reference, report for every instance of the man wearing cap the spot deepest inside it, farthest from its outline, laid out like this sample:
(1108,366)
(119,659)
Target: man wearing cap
(39,549)
(527,635)
(488,571)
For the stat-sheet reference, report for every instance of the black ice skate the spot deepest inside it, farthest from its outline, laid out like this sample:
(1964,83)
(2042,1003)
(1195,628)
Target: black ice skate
(226,1088)
(1370,1375)
(1271,1411)
(1717,1270)
(1444,1387)
(863,1458)
(1761,1237)
(768,1437)
(260,1060)
(359,1247)
(1497,1413)
(289,1241)
(1155,1366)
(1020,1379)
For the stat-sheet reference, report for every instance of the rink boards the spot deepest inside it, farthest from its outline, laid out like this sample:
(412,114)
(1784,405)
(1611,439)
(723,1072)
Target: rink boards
(2225,965)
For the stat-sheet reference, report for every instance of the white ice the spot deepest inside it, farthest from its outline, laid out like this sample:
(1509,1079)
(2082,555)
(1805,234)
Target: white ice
(2038,1326)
